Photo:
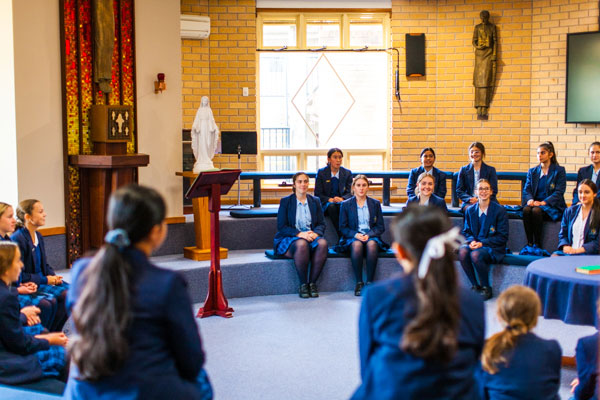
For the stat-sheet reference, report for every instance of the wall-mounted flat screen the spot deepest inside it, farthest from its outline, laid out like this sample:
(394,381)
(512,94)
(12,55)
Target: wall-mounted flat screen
(583,78)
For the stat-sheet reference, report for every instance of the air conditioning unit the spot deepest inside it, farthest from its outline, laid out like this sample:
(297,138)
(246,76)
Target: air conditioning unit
(195,26)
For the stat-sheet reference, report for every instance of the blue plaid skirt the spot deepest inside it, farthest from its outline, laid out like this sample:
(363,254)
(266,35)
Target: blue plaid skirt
(26,300)
(33,329)
(53,290)
(204,386)
(53,360)
(285,243)
(344,245)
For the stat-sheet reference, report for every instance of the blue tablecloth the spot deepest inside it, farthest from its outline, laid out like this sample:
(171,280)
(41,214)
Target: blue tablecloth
(565,294)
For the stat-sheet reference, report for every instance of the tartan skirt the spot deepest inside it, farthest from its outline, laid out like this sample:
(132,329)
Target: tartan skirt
(53,360)
(26,300)
(284,245)
(53,290)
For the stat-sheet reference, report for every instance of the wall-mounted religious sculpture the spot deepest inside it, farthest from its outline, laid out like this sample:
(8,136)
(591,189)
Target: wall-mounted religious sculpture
(484,73)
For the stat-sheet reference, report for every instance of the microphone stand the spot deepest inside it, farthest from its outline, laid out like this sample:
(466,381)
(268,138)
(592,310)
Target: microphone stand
(239,205)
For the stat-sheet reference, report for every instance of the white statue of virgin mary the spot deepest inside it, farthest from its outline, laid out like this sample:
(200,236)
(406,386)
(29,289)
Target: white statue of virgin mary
(205,137)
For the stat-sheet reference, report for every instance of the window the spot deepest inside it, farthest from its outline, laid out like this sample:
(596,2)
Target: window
(310,101)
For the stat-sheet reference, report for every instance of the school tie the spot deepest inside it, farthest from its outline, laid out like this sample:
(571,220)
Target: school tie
(481,233)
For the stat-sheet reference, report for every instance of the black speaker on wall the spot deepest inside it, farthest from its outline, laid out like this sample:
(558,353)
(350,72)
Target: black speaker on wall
(415,54)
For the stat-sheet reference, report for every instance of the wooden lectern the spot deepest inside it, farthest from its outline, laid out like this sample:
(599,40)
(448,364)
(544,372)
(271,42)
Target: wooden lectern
(213,184)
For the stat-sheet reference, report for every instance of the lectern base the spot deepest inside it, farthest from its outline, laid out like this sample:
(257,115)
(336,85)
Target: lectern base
(196,254)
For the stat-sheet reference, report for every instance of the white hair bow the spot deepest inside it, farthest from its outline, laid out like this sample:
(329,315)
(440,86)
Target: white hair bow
(436,248)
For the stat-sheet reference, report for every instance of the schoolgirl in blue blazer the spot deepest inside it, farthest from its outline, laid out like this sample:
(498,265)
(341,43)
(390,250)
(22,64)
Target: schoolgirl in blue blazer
(420,333)
(300,229)
(333,185)
(24,357)
(427,161)
(517,364)
(470,174)
(361,224)
(149,347)
(586,356)
(591,172)
(31,216)
(543,194)
(424,193)
(580,225)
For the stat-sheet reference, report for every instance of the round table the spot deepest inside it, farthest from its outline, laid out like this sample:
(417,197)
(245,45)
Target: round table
(566,294)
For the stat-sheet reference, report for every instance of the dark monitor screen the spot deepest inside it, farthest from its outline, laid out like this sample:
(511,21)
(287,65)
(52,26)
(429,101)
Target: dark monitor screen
(583,78)
(231,140)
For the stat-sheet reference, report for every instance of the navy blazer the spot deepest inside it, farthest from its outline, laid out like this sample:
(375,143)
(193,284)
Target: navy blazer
(466,176)
(18,361)
(556,184)
(323,184)
(286,218)
(439,179)
(565,236)
(495,228)
(349,218)
(165,351)
(388,372)
(585,173)
(532,372)
(586,355)
(433,201)
(23,239)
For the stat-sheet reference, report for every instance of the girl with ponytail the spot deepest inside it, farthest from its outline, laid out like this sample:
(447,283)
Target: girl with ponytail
(516,363)
(421,334)
(136,336)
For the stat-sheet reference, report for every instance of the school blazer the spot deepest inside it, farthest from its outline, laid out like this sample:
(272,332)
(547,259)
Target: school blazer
(466,175)
(23,239)
(495,229)
(585,173)
(349,218)
(286,217)
(165,349)
(17,350)
(565,236)
(532,373)
(323,184)
(433,201)
(586,356)
(439,177)
(556,184)
(389,373)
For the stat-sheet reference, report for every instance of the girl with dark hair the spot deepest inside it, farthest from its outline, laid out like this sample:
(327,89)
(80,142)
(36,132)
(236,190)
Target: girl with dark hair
(427,161)
(543,196)
(361,223)
(424,194)
(136,336)
(486,233)
(420,334)
(300,229)
(580,225)
(470,174)
(516,363)
(30,217)
(25,357)
(36,307)
(591,172)
(333,185)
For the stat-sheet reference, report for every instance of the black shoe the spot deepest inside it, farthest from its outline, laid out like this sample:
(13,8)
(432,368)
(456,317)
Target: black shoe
(476,288)
(358,288)
(314,292)
(304,293)
(486,293)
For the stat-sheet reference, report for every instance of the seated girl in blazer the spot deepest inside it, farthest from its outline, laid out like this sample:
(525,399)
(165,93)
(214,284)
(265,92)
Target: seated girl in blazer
(300,229)
(516,363)
(591,172)
(332,186)
(584,387)
(424,194)
(24,357)
(420,333)
(580,223)
(34,305)
(470,174)
(149,346)
(543,194)
(361,224)
(427,161)
(30,217)
(486,233)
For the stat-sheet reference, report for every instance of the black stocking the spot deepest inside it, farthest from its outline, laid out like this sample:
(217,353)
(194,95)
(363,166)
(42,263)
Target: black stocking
(533,219)
(319,256)
(299,250)
(372,255)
